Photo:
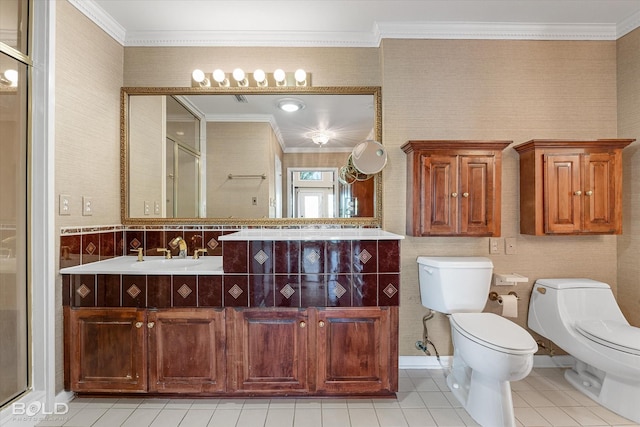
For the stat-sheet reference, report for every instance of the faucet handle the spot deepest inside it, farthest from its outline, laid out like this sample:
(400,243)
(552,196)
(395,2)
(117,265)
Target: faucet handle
(167,252)
(197,252)
(140,253)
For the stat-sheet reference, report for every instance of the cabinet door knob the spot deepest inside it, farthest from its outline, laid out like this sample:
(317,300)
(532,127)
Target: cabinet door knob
(321,323)
(138,325)
(303,324)
(588,193)
(465,194)
(454,194)
(578,193)
(150,325)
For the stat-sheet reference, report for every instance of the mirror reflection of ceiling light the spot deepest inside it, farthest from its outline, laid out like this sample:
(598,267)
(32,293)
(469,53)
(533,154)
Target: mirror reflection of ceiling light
(290,105)
(9,78)
(320,138)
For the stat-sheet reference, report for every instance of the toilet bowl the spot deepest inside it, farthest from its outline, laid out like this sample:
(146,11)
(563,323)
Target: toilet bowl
(489,351)
(582,317)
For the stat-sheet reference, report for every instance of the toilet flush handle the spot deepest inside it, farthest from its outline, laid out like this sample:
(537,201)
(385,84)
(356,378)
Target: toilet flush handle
(428,270)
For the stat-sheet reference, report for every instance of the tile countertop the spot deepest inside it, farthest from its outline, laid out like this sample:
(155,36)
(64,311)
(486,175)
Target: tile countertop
(152,265)
(313,234)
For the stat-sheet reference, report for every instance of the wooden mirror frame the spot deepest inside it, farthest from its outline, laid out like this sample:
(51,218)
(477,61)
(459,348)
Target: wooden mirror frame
(375,221)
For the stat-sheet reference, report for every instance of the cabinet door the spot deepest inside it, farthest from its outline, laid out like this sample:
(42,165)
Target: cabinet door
(186,350)
(353,351)
(562,201)
(108,350)
(477,195)
(599,193)
(270,351)
(439,198)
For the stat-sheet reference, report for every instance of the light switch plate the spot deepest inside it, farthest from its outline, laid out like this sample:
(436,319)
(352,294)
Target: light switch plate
(494,245)
(65,204)
(87,206)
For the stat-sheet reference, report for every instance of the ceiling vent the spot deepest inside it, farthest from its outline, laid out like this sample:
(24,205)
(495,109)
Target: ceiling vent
(241,99)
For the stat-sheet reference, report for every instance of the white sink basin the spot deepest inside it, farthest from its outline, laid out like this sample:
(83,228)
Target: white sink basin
(151,265)
(167,264)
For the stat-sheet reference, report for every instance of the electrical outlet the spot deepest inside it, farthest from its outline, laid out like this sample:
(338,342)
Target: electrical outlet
(65,204)
(494,245)
(87,206)
(147,207)
(510,246)
(156,208)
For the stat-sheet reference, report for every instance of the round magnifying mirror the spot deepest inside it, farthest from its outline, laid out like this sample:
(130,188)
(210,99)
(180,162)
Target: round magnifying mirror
(369,157)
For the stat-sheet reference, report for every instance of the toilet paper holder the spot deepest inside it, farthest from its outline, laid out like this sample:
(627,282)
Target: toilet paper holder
(493,296)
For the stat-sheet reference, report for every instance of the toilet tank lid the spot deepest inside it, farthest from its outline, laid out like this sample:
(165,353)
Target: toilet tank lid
(455,262)
(569,283)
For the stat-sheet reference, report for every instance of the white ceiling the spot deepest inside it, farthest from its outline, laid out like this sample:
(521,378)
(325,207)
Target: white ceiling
(355,22)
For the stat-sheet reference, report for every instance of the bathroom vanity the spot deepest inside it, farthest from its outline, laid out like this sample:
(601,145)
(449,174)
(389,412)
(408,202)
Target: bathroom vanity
(281,313)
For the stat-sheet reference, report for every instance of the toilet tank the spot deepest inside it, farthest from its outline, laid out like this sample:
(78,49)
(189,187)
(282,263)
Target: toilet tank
(556,304)
(454,284)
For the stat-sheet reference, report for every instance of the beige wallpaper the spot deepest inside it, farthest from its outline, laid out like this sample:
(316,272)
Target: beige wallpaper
(628,54)
(88,77)
(512,90)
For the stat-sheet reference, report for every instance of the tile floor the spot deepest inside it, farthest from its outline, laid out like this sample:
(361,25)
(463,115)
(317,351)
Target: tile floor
(544,398)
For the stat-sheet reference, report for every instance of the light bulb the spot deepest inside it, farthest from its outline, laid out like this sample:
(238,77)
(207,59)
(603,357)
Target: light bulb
(220,77)
(198,76)
(301,77)
(260,77)
(279,76)
(239,77)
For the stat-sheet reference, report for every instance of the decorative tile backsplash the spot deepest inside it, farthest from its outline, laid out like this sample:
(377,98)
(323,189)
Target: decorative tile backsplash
(257,273)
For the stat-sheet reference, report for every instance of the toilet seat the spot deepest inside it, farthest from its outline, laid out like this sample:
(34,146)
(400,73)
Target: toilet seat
(495,332)
(610,333)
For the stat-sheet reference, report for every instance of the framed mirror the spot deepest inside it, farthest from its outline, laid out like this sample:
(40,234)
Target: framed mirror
(235,156)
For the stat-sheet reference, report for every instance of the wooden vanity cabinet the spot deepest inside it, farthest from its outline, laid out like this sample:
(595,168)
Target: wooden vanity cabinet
(571,187)
(186,350)
(270,351)
(454,187)
(233,351)
(356,350)
(108,350)
(112,349)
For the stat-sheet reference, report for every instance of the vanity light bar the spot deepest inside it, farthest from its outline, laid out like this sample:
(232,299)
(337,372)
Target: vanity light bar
(259,78)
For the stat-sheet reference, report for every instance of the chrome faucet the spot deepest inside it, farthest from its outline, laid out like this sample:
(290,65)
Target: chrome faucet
(181,244)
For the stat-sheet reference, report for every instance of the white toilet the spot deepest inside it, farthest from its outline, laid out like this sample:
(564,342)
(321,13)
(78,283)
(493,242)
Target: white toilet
(489,351)
(582,317)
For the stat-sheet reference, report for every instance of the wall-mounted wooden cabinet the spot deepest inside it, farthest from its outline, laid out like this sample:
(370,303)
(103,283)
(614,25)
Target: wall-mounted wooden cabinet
(454,187)
(571,187)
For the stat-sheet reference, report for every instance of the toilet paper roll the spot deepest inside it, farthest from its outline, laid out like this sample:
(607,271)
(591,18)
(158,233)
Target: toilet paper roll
(509,305)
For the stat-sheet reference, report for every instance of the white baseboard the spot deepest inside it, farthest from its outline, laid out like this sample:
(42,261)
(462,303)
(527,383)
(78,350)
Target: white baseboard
(431,362)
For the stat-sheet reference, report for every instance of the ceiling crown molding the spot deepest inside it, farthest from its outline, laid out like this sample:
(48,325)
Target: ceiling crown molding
(628,25)
(495,30)
(380,30)
(102,19)
(251,38)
